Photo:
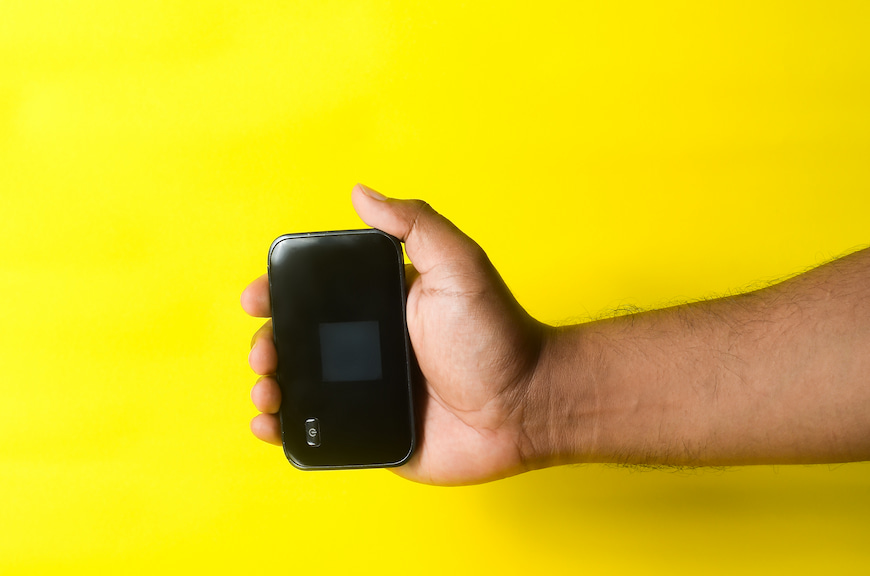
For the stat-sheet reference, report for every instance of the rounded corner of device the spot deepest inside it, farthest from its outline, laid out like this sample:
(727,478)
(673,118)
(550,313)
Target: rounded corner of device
(404,459)
(390,237)
(275,243)
(293,460)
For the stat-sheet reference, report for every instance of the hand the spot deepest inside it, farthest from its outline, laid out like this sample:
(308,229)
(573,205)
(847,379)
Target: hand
(483,416)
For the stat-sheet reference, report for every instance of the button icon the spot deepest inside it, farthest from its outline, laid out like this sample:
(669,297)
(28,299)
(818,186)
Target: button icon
(312,432)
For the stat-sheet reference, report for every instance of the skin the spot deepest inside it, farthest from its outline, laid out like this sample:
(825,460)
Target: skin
(779,375)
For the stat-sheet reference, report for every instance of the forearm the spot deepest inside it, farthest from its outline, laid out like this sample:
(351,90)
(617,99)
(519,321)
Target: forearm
(780,375)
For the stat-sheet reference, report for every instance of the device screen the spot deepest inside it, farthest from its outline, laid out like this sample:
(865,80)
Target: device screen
(338,314)
(350,351)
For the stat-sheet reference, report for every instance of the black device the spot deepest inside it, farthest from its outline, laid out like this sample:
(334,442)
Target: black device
(344,358)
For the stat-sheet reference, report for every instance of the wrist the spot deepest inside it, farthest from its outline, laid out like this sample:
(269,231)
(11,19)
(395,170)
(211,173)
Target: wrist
(561,420)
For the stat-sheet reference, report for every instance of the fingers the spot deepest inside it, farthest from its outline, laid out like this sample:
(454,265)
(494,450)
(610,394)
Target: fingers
(267,428)
(263,357)
(430,239)
(266,395)
(255,298)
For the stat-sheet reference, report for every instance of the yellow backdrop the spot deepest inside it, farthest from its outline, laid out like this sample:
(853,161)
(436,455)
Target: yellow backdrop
(605,154)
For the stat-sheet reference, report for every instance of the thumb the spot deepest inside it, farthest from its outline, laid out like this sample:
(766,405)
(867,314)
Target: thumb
(430,238)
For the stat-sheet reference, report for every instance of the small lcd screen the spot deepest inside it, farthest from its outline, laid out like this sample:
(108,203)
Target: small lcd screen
(350,351)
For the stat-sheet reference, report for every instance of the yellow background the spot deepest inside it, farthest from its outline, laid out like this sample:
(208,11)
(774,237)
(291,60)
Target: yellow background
(604,154)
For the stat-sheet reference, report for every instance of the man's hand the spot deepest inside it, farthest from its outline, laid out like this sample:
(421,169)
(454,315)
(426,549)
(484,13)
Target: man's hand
(776,376)
(484,415)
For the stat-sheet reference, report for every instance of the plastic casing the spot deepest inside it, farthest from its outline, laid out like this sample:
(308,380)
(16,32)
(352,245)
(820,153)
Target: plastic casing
(341,276)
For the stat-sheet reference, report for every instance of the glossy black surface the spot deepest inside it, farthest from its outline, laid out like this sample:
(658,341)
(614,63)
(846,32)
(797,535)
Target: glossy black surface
(332,293)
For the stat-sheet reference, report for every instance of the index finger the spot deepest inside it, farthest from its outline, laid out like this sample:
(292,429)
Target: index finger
(255,298)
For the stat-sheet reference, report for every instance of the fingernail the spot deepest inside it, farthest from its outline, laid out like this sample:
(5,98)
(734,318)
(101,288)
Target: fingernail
(371,193)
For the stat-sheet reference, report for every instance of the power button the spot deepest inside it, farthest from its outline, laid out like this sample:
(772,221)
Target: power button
(312,432)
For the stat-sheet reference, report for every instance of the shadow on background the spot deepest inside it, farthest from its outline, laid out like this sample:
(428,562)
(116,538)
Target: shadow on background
(780,517)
